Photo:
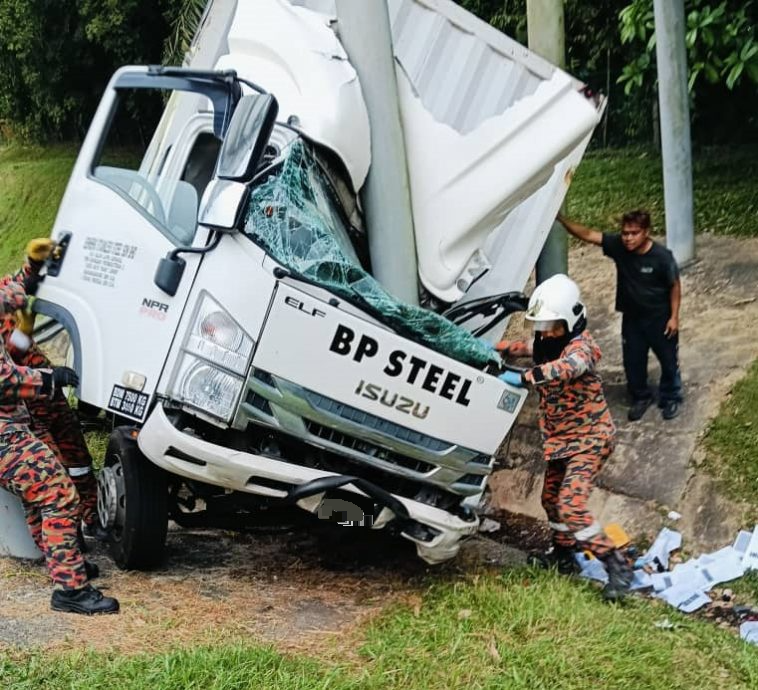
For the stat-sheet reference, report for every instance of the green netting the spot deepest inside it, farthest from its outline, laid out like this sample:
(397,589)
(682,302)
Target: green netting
(293,216)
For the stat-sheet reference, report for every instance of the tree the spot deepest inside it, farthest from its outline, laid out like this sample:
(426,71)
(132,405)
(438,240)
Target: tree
(721,42)
(56,57)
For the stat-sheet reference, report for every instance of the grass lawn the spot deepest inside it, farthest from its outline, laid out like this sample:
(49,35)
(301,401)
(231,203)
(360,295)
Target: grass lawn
(607,183)
(732,441)
(32,182)
(523,629)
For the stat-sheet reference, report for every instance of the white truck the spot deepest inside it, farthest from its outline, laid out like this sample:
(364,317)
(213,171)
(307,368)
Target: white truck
(217,291)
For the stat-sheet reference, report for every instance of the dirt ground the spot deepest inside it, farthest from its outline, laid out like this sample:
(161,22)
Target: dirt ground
(312,589)
(654,467)
(300,589)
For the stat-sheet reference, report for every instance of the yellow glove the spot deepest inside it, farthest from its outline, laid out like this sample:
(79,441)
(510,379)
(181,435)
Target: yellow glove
(25,321)
(39,249)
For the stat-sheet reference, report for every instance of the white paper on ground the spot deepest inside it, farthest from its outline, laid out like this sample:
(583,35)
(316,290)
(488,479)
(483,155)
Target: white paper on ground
(728,566)
(684,598)
(667,541)
(742,541)
(749,632)
(750,560)
(642,580)
(592,569)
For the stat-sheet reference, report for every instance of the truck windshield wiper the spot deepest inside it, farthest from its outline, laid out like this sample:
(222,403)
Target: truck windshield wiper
(495,308)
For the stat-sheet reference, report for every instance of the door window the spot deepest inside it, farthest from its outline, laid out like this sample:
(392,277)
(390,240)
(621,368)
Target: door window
(146,159)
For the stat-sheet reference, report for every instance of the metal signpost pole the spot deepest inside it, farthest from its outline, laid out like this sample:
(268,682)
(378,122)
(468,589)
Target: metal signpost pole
(365,32)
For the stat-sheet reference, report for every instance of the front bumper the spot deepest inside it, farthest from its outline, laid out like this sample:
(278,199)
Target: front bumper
(188,456)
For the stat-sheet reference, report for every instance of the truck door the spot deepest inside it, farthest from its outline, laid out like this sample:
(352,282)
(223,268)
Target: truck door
(133,197)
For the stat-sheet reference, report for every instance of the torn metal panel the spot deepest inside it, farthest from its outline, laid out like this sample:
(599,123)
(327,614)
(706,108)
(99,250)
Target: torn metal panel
(293,53)
(493,134)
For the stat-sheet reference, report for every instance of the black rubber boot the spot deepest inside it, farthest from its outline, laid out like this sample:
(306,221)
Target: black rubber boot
(80,540)
(559,557)
(95,531)
(620,576)
(87,601)
(92,569)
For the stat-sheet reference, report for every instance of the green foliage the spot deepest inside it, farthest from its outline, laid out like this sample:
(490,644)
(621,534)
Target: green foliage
(524,629)
(732,440)
(721,40)
(186,20)
(56,57)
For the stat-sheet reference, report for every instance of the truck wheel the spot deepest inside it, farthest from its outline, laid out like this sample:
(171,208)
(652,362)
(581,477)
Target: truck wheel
(132,504)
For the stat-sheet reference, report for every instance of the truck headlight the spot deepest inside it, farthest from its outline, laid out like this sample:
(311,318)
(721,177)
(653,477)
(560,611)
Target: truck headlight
(215,360)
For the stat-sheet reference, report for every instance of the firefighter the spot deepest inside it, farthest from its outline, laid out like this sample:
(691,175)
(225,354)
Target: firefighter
(577,428)
(31,471)
(52,419)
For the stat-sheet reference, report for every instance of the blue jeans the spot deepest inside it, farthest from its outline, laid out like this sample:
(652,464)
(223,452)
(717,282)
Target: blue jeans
(638,336)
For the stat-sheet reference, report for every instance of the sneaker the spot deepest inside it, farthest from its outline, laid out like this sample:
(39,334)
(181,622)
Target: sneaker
(638,408)
(620,576)
(86,600)
(92,569)
(670,409)
(559,557)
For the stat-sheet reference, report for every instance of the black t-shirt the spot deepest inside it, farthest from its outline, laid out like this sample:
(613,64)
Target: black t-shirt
(644,281)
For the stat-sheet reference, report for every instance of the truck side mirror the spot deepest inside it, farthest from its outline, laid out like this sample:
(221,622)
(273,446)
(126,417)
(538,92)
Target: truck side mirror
(222,205)
(245,142)
(169,273)
(247,137)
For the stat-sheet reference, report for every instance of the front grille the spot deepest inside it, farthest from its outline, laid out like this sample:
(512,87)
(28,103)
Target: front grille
(259,403)
(352,414)
(471,479)
(354,444)
(264,377)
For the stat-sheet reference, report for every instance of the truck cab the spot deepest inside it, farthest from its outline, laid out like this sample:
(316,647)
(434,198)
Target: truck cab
(216,287)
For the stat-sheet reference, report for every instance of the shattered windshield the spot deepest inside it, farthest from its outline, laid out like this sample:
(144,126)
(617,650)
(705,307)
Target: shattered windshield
(294,216)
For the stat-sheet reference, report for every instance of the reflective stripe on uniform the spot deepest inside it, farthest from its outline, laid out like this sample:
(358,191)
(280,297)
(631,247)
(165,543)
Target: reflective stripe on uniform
(558,527)
(588,532)
(78,471)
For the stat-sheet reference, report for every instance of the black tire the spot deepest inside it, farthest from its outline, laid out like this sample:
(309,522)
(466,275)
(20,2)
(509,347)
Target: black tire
(138,490)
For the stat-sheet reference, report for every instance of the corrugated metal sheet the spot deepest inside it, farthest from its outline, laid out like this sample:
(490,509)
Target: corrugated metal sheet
(461,78)
(462,69)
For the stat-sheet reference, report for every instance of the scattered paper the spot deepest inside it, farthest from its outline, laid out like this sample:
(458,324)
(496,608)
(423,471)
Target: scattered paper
(667,541)
(642,580)
(749,632)
(673,515)
(742,541)
(686,584)
(488,525)
(750,559)
(684,598)
(591,568)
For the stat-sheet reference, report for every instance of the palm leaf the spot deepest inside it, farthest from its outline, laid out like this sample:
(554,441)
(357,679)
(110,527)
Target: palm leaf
(183,30)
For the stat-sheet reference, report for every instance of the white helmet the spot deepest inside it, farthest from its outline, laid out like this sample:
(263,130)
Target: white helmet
(557,299)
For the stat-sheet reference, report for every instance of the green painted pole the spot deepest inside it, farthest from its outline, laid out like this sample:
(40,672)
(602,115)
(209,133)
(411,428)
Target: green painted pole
(676,148)
(365,32)
(547,38)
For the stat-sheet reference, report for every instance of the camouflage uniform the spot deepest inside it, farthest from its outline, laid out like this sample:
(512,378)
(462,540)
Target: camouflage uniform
(52,419)
(31,471)
(578,434)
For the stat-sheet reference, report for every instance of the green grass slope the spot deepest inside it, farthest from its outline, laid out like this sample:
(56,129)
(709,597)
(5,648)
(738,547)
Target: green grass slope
(32,182)
(521,630)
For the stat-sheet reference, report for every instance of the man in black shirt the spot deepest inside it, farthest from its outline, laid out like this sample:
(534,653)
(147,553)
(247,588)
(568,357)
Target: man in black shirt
(648,294)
